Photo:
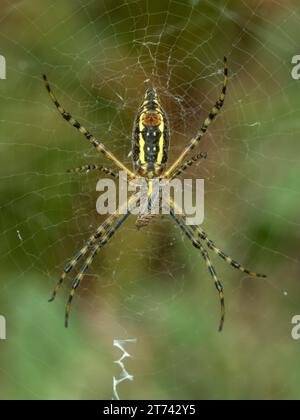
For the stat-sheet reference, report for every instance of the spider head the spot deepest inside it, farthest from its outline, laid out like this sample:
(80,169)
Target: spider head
(151,137)
(151,95)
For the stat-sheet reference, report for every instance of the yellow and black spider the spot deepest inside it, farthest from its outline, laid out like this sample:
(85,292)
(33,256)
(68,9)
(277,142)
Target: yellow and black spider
(150,147)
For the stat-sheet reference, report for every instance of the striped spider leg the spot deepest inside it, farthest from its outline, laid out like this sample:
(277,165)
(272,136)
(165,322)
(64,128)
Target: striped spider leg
(101,230)
(197,244)
(102,241)
(94,167)
(187,164)
(211,245)
(214,112)
(89,168)
(97,241)
(196,234)
(92,139)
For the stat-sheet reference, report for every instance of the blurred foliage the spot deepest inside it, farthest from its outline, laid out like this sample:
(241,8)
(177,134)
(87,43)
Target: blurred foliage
(151,285)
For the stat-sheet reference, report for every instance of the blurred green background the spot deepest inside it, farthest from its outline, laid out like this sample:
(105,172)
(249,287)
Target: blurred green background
(150,285)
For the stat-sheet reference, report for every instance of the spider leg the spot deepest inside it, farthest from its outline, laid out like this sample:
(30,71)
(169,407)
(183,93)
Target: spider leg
(103,241)
(197,244)
(187,164)
(179,219)
(102,230)
(211,245)
(92,139)
(222,254)
(89,168)
(214,112)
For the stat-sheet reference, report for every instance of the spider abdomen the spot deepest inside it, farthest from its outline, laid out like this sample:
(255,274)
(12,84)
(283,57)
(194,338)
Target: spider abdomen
(151,137)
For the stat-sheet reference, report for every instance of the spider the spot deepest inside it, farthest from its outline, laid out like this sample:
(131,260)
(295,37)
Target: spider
(150,147)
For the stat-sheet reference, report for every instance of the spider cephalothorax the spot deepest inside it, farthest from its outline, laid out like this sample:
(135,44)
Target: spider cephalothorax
(151,138)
